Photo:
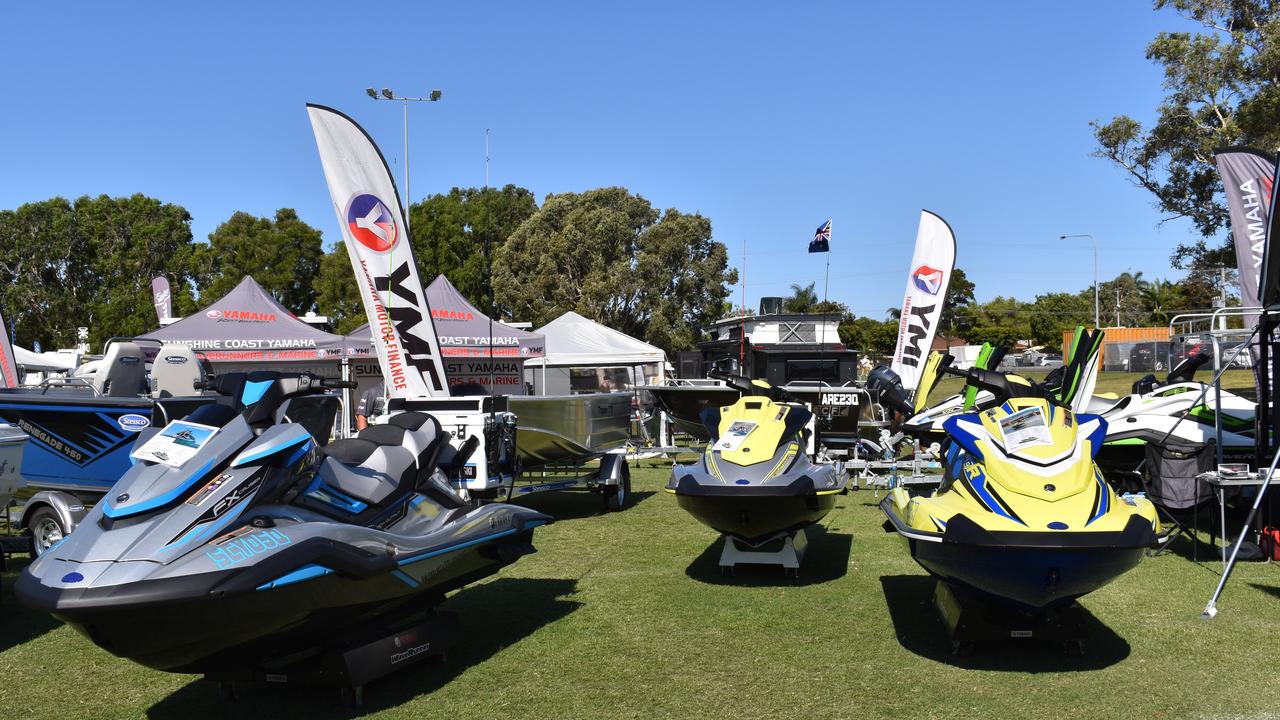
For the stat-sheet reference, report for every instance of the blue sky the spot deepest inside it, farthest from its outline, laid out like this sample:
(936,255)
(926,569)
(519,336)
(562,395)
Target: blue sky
(766,117)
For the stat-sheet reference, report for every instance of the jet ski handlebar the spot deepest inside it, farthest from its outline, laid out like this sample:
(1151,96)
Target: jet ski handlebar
(1000,385)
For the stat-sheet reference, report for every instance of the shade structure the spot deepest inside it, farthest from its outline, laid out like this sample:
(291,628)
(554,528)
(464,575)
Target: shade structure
(584,356)
(477,352)
(247,325)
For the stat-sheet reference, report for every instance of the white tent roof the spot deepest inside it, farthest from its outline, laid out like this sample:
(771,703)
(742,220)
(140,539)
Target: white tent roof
(575,341)
(36,362)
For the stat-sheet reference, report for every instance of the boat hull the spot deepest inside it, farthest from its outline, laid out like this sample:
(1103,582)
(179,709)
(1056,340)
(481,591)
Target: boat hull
(229,621)
(754,513)
(1027,570)
(569,429)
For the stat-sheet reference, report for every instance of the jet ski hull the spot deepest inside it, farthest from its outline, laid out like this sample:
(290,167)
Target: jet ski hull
(1028,570)
(754,513)
(301,601)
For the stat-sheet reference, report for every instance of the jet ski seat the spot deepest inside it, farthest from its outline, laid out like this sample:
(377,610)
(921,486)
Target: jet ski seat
(420,433)
(365,472)
(123,372)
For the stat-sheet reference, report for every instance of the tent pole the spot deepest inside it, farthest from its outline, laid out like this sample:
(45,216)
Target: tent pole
(344,427)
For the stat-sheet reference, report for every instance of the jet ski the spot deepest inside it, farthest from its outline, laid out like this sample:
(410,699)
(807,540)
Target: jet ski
(1177,410)
(754,483)
(1023,523)
(235,540)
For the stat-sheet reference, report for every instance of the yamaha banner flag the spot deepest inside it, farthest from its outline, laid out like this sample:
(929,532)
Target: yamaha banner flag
(8,365)
(1247,178)
(931,268)
(372,221)
(821,241)
(161,297)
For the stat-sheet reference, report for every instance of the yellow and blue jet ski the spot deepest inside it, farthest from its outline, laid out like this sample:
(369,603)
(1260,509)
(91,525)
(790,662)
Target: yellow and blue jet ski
(754,483)
(1023,519)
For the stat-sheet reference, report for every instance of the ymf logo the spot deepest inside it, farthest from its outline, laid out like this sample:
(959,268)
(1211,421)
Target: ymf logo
(927,279)
(372,223)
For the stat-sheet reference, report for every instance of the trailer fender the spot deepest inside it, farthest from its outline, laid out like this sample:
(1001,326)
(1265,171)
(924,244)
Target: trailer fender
(613,468)
(70,509)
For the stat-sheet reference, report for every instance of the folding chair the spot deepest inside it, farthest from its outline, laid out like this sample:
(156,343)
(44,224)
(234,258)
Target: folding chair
(1169,480)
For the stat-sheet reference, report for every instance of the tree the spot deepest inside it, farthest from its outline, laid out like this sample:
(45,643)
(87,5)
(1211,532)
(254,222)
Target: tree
(1159,296)
(90,263)
(1053,313)
(1002,321)
(955,319)
(282,254)
(802,299)
(1223,88)
(608,255)
(337,294)
(875,338)
(451,234)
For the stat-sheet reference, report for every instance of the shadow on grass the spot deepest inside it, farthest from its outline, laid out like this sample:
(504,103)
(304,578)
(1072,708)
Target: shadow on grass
(576,504)
(493,616)
(826,559)
(1196,551)
(921,631)
(1271,590)
(20,623)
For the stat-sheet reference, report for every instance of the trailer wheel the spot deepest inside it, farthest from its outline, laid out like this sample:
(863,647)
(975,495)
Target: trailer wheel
(46,529)
(617,496)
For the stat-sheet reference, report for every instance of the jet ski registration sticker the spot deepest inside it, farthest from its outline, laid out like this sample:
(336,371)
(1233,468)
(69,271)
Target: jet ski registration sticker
(736,435)
(1025,428)
(177,443)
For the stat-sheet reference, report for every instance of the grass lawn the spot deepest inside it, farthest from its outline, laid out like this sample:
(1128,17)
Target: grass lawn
(626,616)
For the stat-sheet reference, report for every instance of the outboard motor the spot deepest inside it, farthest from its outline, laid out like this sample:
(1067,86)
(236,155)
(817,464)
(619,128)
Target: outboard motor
(888,386)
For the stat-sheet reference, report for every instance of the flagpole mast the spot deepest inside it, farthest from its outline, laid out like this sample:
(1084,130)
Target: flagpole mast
(742,318)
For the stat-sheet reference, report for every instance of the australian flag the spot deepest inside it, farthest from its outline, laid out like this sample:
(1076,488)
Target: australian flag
(821,241)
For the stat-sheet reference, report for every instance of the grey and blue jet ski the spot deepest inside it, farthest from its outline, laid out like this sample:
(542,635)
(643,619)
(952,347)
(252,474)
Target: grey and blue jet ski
(235,538)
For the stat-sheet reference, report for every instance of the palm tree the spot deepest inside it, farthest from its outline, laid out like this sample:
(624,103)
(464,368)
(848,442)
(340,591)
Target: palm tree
(1159,296)
(802,299)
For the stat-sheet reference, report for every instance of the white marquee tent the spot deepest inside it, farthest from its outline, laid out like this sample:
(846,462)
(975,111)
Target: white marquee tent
(585,356)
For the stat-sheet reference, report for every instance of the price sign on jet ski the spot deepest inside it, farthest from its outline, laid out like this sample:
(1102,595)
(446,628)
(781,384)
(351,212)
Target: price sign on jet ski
(1025,428)
(736,435)
(177,443)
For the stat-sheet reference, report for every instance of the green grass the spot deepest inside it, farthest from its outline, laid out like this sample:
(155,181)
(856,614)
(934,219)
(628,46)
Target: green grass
(625,616)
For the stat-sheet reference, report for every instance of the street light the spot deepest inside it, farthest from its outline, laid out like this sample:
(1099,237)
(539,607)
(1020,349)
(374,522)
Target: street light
(1097,320)
(388,94)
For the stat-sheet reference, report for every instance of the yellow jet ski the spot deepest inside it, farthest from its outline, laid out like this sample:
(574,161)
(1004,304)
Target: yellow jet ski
(754,484)
(1023,523)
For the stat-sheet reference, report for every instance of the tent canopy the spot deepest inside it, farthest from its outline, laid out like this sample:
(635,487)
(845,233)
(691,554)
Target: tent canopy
(464,331)
(44,362)
(248,325)
(573,340)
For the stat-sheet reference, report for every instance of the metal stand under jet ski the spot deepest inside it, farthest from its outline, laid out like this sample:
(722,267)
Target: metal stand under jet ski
(236,549)
(754,484)
(1023,523)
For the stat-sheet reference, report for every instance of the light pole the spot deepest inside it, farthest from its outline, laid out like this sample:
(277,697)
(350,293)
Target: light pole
(387,94)
(1097,319)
